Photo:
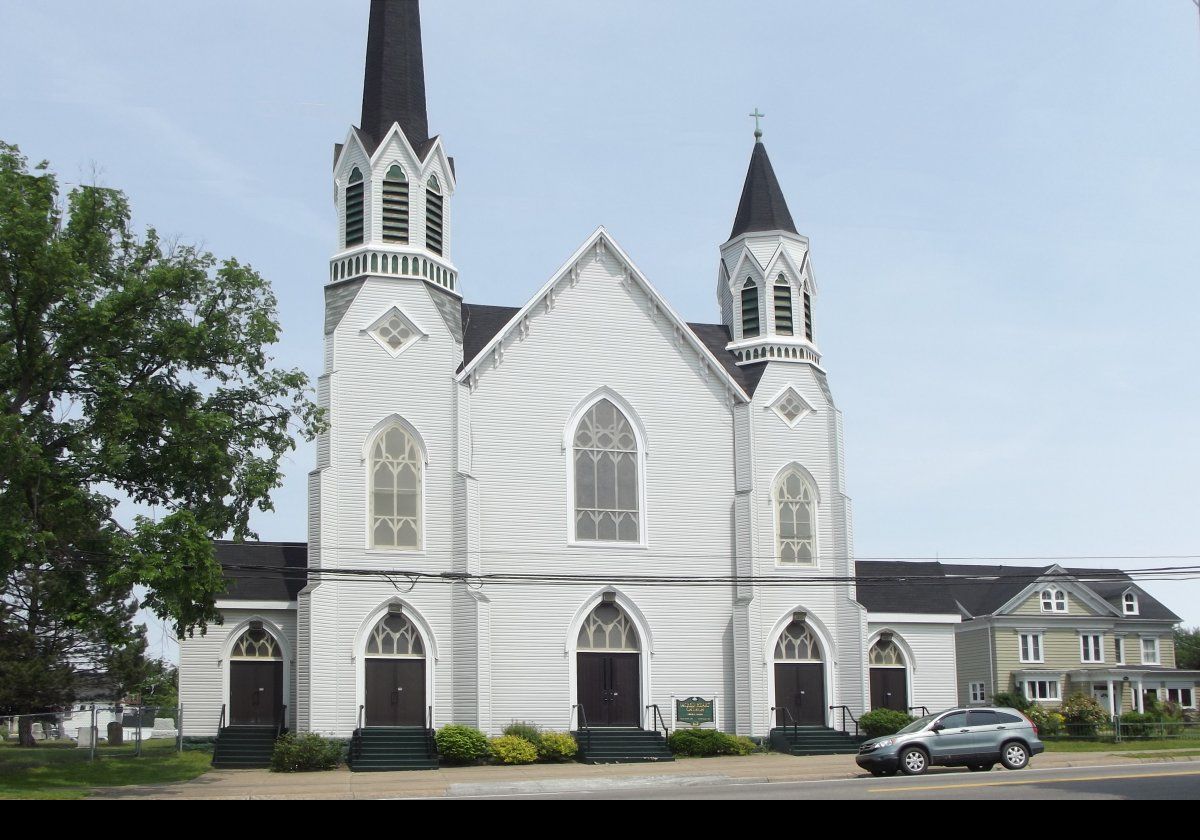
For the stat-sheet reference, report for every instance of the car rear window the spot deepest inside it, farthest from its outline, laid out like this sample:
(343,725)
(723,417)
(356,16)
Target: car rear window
(1005,717)
(982,717)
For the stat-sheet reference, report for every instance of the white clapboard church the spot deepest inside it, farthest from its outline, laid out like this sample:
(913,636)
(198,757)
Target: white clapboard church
(572,513)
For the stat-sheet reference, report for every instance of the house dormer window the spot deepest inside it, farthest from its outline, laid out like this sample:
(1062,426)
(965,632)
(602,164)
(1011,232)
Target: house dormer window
(1054,600)
(750,310)
(434,209)
(783,306)
(1129,604)
(395,205)
(355,198)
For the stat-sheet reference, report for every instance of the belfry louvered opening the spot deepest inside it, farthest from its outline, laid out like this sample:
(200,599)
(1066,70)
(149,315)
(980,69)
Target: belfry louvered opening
(395,206)
(808,329)
(433,216)
(354,208)
(750,310)
(783,306)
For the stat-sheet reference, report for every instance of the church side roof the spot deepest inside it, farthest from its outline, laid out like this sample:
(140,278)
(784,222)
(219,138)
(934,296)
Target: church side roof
(763,206)
(894,586)
(715,338)
(263,571)
(480,324)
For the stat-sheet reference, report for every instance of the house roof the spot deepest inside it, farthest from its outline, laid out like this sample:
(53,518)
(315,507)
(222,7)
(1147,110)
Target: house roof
(394,79)
(263,571)
(763,206)
(893,586)
(480,324)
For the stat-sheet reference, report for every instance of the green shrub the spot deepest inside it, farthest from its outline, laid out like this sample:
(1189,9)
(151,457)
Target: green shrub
(461,744)
(527,731)
(305,753)
(509,749)
(1048,721)
(1134,724)
(880,722)
(1012,700)
(1083,715)
(557,746)
(702,743)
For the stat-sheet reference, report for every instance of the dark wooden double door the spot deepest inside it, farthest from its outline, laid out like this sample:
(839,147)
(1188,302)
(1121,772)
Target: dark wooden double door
(800,689)
(255,693)
(609,688)
(395,692)
(889,689)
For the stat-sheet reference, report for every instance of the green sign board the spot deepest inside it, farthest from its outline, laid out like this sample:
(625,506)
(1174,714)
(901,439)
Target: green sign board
(695,711)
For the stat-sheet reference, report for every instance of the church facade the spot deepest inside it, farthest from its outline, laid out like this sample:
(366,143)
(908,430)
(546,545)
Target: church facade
(524,514)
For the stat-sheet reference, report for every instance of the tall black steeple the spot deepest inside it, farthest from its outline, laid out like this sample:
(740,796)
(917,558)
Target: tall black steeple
(394,87)
(763,206)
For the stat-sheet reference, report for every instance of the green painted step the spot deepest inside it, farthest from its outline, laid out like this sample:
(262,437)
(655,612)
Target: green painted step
(378,749)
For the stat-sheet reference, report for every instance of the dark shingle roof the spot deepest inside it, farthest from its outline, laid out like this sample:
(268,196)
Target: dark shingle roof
(904,587)
(762,206)
(715,337)
(480,324)
(394,80)
(263,571)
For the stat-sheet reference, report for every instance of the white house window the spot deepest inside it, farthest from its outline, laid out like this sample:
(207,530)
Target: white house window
(1182,696)
(1041,690)
(1119,649)
(1091,648)
(1054,600)
(750,310)
(396,474)
(1031,647)
(978,692)
(796,519)
(395,635)
(607,506)
(1130,603)
(797,644)
(608,628)
(256,643)
(1150,651)
(791,407)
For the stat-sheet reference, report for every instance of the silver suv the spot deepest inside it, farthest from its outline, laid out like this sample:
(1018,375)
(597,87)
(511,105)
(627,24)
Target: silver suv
(976,738)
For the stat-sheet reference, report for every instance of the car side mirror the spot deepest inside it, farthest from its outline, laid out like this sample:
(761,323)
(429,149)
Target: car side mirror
(937,727)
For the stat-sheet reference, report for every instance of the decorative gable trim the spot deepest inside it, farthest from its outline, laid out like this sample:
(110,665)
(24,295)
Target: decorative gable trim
(596,247)
(435,150)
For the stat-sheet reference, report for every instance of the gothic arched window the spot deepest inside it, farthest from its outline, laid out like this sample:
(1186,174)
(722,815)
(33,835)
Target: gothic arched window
(795,519)
(885,653)
(434,210)
(797,644)
(607,494)
(783,306)
(395,635)
(256,643)
(355,198)
(396,475)
(395,206)
(750,310)
(608,628)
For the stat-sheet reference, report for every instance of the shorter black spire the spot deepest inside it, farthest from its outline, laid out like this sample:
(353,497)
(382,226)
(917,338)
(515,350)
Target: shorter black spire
(394,87)
(763,206)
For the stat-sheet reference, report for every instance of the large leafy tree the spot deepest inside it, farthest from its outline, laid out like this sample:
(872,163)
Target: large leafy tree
(131,372)
(1187,648)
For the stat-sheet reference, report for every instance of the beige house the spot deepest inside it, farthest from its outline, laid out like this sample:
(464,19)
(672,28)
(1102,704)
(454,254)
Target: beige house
(1051,632)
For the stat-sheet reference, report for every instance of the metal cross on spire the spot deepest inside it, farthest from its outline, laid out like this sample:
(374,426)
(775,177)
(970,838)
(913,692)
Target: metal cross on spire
(757,125)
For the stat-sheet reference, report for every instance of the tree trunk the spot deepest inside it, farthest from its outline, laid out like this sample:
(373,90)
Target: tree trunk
(25,732)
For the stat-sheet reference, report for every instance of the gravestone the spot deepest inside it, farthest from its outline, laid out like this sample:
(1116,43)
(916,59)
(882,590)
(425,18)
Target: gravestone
(86,737)
(116,734)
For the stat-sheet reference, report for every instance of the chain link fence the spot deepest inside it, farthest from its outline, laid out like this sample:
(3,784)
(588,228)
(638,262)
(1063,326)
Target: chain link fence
(101,731)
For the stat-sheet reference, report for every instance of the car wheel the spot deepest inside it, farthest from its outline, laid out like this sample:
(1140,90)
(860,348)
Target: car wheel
(1014,756)
(913,762)
(980,768)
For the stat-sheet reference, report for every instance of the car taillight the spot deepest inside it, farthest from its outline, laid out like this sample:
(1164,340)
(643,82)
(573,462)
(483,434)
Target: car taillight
(1031,723)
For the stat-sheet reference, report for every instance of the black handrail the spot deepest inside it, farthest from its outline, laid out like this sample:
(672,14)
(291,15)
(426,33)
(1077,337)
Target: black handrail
(846,711)
(924,710)
(281,724)
(360,716)
(658,716)
(791,717)
(583,721)
(221,725)
(430,741)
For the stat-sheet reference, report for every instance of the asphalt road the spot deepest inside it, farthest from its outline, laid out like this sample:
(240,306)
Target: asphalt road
(1179,780)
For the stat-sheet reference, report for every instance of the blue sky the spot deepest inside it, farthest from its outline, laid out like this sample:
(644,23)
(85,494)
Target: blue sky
(1002,199)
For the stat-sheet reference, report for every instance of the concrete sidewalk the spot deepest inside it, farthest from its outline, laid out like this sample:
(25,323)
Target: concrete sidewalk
(471,781)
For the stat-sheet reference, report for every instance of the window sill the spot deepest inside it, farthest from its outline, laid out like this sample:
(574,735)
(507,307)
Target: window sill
(610,546)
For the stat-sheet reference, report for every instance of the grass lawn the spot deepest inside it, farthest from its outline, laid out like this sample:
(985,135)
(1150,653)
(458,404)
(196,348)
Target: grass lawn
(1180,744)
(60,771)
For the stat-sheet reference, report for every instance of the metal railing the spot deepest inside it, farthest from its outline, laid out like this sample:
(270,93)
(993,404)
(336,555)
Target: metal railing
(795,727)
(281,724)
(924,710)
(221,724)
(361,709)
(583,723)
(430,741)
(656,717)
(846,713)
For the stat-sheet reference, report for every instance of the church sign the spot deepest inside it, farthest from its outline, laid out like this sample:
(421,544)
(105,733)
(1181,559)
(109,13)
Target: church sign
(695,711)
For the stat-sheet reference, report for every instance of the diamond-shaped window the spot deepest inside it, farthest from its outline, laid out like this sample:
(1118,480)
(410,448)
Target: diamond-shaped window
(394,332)
(791,407)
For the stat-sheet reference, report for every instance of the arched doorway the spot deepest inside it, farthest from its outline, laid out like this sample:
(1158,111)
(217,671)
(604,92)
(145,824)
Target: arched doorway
(608,667)
(799,677)
(889,675)
(394,673)
(256,678)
